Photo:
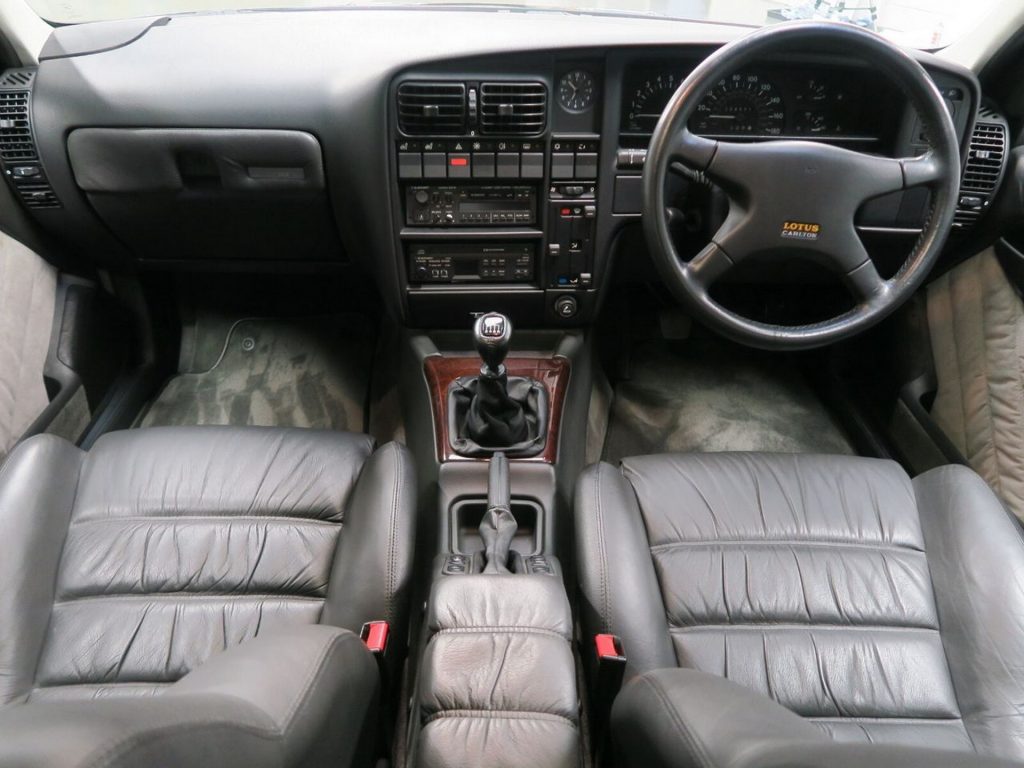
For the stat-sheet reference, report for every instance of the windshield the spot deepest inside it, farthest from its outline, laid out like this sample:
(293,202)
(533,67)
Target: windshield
(917,23)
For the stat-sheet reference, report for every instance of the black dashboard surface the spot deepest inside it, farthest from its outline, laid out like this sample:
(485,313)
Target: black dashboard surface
(332,75)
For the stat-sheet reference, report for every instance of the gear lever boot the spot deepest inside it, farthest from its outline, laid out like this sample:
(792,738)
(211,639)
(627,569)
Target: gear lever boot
(494,418)
(498,526)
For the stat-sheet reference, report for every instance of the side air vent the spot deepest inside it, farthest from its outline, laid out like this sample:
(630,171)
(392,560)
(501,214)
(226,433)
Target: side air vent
(432,109)
(19,156)
(986,158)
(513,109)
(15,132)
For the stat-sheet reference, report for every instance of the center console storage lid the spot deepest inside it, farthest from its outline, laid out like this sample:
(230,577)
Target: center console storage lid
(498,681)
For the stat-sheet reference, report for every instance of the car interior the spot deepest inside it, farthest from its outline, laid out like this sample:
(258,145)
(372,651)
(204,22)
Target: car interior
(436,385)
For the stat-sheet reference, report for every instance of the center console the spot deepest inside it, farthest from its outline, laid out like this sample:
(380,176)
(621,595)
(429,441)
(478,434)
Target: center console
(497,192)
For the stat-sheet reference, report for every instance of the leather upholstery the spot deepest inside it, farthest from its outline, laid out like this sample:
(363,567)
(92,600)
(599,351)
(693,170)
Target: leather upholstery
(880,609)
(130,566)
(680,718)
(498,681)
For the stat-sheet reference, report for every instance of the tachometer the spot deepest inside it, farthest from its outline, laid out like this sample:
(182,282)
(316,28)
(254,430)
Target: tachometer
(649,101)
(740,105)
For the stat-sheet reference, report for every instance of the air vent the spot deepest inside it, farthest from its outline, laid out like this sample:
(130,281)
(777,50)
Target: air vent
(986,157)
(513,109)
(18,154)
(15,132)
(432,109)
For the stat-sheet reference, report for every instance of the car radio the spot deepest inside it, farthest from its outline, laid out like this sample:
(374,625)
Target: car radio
(465,262)
(469,205)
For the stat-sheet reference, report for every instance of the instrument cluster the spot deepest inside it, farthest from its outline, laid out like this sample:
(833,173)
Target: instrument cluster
(763,103)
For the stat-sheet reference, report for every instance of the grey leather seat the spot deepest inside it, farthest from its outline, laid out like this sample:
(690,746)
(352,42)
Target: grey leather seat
(878,608)
(192,596)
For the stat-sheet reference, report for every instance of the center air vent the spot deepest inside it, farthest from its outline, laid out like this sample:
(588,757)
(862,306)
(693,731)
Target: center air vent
(986,156)
(513,109)
(432,109)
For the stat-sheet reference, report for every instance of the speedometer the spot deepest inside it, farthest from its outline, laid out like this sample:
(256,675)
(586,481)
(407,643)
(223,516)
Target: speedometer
(740,105)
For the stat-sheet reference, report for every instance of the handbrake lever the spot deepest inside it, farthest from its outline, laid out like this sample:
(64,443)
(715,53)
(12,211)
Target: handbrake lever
(498,526)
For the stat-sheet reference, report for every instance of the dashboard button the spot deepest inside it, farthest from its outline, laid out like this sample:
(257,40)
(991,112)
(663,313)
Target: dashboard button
(458,165)
(434,165)
(483,165)
(586,165)
(410,165)
(508,165)
(532,165)
(561,165)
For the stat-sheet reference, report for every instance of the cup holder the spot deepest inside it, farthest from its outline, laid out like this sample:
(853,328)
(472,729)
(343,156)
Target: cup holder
(466,515)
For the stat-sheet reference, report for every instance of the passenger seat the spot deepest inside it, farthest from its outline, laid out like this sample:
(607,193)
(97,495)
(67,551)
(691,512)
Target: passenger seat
(193,596)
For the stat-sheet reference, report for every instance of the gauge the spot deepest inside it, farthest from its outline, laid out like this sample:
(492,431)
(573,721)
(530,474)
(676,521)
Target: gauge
(649,100)
(576,91)
(740,105)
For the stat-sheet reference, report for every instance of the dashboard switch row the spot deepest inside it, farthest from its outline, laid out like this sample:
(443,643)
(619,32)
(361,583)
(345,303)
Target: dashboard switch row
(475,165)
(569,165)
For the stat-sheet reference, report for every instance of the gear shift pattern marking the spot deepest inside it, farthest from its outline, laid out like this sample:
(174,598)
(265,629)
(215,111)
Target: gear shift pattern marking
(492,336)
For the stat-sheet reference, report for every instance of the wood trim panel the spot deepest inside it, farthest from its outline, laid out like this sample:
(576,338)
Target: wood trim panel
(551,372)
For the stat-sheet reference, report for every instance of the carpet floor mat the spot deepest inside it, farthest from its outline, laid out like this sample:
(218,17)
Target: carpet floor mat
(688,398)
(292,372)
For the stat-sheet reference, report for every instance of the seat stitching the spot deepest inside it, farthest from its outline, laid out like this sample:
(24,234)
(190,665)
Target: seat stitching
(770,542)
(606,620)
(884,720)
(793,626)
(389,597)
(696,747)
(188,596)
(499,628)
(499,714)
(246,518)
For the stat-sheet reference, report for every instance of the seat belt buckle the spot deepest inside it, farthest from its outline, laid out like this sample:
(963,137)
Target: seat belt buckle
(611,664)
(374,635)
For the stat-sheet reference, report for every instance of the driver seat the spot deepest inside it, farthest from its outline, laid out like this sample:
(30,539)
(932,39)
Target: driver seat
(877,608)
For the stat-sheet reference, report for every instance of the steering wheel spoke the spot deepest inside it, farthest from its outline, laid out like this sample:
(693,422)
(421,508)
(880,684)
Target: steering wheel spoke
(924,169)
(874,175)
(692,150)
(865,283)
(708,266)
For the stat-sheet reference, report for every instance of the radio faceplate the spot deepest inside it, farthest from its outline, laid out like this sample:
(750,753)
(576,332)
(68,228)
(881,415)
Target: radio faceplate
(470,205)
(471,263)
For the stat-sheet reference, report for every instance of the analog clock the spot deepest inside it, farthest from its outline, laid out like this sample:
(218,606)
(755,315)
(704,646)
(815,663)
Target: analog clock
(576,91)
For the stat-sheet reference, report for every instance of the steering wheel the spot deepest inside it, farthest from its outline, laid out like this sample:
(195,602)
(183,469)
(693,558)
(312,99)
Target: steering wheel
(800,196)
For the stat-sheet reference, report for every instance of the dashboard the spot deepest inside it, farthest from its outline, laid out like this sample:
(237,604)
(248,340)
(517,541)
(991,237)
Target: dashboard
(493,164)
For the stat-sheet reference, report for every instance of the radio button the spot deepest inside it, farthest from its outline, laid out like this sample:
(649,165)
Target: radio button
(434,165)
(532,165)
(508,165)
(561,165)
(483,165)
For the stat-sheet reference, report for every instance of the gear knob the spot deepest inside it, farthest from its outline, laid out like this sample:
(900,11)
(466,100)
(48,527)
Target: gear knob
(492,334)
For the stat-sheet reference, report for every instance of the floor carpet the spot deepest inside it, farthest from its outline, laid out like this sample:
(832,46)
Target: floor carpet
(299,372)
(688,397)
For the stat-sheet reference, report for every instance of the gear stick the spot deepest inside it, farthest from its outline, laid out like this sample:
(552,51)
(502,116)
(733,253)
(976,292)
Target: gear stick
(494,418)
(498,526)
(492,335)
